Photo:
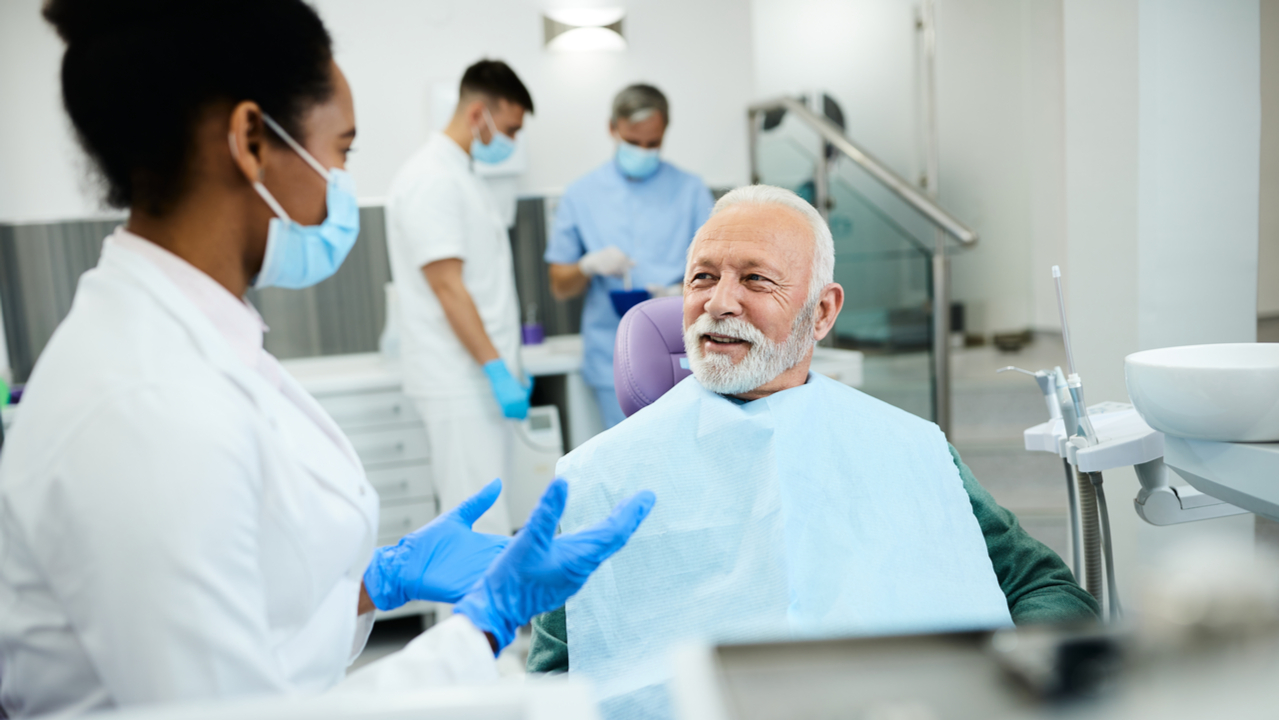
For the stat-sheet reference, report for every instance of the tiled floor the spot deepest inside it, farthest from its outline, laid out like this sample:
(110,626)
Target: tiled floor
(990,412)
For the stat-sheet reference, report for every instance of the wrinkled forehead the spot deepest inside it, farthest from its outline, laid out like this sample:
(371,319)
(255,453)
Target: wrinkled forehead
(747,236)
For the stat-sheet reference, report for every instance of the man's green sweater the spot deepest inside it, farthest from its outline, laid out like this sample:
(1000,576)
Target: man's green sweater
(1036,582)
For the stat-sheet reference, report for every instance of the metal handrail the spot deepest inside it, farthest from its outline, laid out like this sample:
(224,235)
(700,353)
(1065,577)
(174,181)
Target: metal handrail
(944,223)
(832,134)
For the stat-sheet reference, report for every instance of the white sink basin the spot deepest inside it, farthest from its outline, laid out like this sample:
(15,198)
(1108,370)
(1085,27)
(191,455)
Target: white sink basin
(1226,393)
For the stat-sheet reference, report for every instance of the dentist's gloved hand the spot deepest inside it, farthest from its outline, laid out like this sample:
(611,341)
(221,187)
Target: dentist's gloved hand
(511,395)
(440,561)
(537,573)
(609,261)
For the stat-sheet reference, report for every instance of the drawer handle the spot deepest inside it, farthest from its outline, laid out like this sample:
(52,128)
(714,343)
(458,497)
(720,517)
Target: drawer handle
(393,487)
(392,449)
(400,525)
(370,415)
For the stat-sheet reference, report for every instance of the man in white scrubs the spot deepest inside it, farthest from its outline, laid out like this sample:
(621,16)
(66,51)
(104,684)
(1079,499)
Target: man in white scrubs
(451,262)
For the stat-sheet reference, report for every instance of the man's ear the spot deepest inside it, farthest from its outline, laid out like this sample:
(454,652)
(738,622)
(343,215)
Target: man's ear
(829,304)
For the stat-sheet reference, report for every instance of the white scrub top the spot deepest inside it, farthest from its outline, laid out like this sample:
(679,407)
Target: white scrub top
(179,520)
(439,209)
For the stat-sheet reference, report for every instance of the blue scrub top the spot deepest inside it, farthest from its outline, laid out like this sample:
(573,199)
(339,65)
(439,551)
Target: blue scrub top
(652,221)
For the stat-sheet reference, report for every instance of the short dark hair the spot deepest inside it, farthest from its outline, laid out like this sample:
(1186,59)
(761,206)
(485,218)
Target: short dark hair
(137,74)
(496,79)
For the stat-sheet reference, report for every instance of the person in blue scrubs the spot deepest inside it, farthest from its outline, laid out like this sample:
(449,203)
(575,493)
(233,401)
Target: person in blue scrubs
(633,216)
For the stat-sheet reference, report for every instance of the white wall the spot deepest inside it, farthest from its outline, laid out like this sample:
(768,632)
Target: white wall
(393,51)
(999,116)
(862,52)
(985,141)
(1198,135)
(698,53)
(1044,119)
(41,168)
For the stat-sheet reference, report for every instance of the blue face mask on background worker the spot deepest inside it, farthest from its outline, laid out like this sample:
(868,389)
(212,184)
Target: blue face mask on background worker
(636,162)
(300,256)
(498,148)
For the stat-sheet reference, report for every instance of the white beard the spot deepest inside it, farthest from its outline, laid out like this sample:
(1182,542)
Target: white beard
(765,359)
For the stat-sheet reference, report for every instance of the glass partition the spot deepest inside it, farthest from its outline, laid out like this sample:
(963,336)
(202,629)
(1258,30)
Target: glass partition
(883,261)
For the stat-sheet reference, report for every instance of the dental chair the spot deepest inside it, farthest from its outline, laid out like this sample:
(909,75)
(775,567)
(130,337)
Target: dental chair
(648,354)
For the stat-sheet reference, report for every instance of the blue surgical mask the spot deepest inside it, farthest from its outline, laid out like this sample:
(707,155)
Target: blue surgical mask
(636,162)
(300,256)
(499,148)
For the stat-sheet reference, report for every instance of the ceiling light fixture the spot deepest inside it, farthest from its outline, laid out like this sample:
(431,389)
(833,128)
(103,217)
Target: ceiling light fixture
(584,29)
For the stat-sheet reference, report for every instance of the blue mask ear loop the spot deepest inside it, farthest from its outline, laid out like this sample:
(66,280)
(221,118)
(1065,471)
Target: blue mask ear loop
(257,185)
(488,119)
(296,147)
(315,164)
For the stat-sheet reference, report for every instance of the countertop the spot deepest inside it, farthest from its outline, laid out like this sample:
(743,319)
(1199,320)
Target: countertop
(560,354)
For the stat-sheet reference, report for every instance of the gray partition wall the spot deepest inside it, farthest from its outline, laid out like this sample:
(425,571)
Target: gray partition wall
(528,243)
(40,265)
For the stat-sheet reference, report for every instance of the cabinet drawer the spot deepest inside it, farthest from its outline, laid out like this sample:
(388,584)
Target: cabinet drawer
(403,482)
(384,445)
(373,408)
(396,520)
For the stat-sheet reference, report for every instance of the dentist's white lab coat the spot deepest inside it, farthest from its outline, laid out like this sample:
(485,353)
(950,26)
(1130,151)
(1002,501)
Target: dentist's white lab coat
(175,528)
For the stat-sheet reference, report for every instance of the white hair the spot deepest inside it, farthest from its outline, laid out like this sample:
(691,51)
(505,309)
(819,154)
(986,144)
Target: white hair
(824,247)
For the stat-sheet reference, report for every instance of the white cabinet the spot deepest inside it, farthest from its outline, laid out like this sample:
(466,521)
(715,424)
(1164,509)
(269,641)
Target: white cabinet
(362,394)
(400,483)
(384,444)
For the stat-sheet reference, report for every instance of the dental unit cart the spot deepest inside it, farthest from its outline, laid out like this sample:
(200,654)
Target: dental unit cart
(1111,435)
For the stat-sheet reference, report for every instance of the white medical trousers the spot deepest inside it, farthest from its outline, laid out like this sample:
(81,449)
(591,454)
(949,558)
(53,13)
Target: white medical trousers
(470,446)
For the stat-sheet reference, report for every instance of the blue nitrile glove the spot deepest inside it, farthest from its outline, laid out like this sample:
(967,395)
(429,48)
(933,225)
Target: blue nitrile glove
(440,561)
(537,573)
(511,395)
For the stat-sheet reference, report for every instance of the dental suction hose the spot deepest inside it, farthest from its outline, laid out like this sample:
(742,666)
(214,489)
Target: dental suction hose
(1113,596)
(1074,530)
(1089,534)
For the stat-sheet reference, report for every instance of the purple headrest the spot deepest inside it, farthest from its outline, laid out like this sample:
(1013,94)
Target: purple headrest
(648,356)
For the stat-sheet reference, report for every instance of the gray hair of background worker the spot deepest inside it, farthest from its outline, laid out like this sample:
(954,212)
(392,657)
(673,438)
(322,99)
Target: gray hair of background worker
(636,103)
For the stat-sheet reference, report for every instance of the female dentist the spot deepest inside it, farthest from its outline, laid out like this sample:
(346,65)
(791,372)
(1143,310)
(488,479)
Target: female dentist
(179,520)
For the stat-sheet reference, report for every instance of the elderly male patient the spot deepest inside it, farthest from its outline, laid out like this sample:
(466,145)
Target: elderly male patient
(788,504)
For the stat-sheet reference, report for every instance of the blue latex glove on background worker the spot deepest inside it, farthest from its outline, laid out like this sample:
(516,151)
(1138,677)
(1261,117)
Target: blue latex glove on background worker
(538,572)
(439,562)
(510,394)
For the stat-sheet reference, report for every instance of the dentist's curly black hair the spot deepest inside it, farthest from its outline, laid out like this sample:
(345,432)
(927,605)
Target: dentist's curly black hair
(137,74)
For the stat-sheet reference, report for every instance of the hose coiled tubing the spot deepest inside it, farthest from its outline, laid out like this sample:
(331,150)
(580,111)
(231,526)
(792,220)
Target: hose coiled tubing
(1090,535)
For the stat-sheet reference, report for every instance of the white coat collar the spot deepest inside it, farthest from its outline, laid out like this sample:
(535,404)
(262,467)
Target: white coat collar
(214,347)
